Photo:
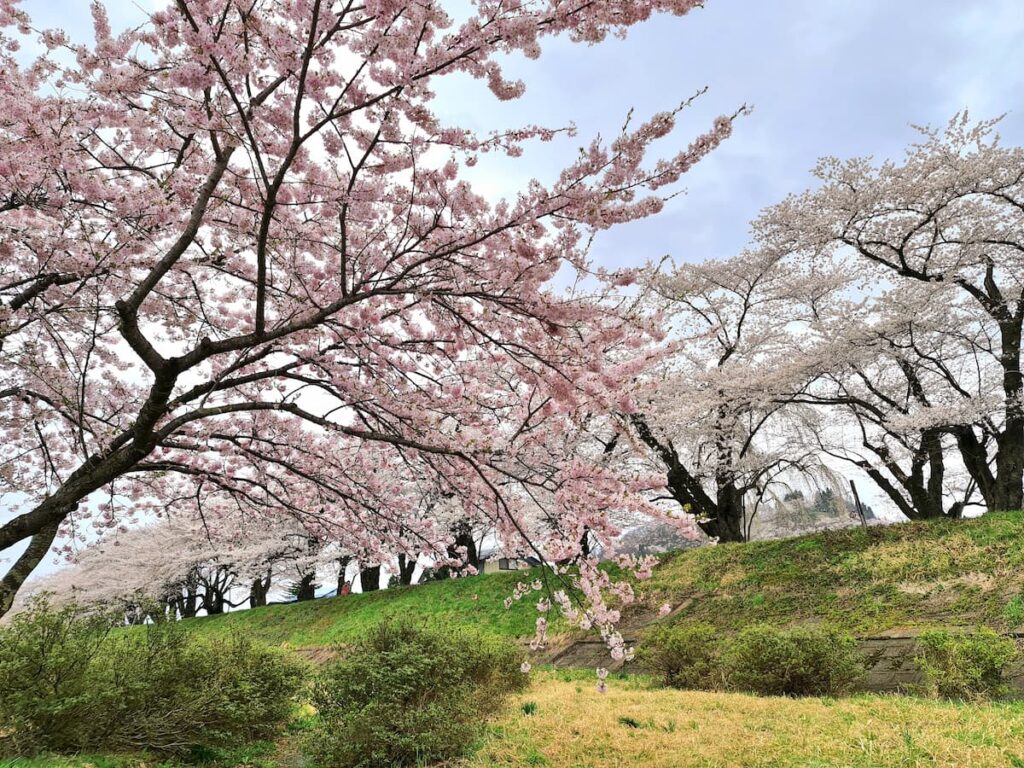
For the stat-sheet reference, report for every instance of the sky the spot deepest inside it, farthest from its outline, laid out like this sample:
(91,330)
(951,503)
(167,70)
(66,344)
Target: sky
(824,77)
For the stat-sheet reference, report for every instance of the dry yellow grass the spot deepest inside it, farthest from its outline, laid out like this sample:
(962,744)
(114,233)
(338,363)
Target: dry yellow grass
(632,725)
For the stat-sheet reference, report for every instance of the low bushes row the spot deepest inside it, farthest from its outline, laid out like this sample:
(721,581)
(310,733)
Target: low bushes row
(818,660)
(72,682)
(802,661)
(403,695)
(407,695)
(957,665)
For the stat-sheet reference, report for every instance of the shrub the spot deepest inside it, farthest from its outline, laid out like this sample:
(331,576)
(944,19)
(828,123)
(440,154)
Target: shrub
(47,694)
(74,682)
(406,694)
(961,665)
(802,661)
(684,656)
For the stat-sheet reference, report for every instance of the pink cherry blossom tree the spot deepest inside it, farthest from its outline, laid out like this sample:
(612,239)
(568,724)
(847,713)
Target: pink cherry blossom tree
(242,271)
(883,362)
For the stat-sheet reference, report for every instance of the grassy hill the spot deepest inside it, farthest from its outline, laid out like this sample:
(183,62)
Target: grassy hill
(475,602)
(944,572)
(903,576)
(911,575)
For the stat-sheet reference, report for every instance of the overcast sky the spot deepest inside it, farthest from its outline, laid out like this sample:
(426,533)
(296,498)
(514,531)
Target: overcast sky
(839,77)
(824,77)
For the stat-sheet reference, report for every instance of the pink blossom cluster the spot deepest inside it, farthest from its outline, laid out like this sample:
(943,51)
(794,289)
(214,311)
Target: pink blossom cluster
(243,273)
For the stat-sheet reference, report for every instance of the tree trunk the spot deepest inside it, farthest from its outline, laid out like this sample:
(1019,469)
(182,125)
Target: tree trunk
(38,546)
(685,489)
(585,543)
(258,591)
(464,538)
(213,601)
(369,578)
(406,568)
(728,523)
(306,588)
(1009,493)
(975,457)
(190,604)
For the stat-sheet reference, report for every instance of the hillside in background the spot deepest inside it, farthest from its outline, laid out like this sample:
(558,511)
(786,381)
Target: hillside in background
(870,581)
(475,601)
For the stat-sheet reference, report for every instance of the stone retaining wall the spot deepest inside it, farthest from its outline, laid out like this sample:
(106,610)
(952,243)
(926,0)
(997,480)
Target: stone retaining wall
(890,662)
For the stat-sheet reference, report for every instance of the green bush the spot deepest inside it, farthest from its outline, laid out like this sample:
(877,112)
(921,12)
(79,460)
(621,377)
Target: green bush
(684,656)
(802,661)
(406,694)
(74,682)
(961,665)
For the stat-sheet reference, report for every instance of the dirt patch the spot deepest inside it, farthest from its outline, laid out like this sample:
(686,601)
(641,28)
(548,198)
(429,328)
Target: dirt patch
(318,655)
(981,581)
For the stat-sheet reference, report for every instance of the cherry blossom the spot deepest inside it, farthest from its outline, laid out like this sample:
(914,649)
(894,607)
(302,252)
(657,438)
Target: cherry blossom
(242,273)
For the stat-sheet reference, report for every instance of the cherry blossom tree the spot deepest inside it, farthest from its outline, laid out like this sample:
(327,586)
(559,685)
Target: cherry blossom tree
(721,417)
(940,236)
(178,566)
(883,363)
(242,271)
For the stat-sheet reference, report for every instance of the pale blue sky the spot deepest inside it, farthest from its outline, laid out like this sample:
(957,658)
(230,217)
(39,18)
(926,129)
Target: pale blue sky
(824,77)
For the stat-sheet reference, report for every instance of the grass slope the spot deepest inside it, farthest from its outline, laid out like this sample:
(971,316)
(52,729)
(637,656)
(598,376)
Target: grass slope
(469,602)
(945,572)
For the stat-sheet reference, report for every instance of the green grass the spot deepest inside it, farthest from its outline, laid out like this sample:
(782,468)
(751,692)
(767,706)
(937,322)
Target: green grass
(919,574)
(913,575)
(561,721)
(476,602)
(571,725)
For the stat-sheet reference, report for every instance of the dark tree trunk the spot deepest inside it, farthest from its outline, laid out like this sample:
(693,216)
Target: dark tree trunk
(925,495)
(38,546)
(258,591)
(684,488)
(921,498)
(729,519)
(464,538)
(463,534)
(369,578)
(213,601)
(406,568)
(1003,489)
(40,524)
(1009,489)
(306,588)
(190,603)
